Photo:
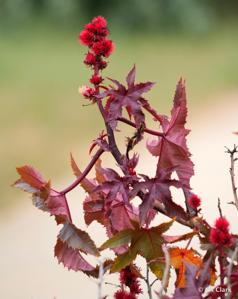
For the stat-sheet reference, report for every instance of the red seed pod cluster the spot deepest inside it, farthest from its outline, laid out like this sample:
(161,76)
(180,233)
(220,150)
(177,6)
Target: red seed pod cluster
(194,201)
(220,235)
(129,278)
(94,36)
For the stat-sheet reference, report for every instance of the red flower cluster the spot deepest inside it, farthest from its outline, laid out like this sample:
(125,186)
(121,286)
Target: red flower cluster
(130,279)
(94,37)
(220,235)
(194,201)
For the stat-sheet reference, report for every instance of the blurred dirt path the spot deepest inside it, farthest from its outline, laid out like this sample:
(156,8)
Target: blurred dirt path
(27,267)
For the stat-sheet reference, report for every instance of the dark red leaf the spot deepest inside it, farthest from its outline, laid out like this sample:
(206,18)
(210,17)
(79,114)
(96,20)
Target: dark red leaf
(172,148)
(126,97)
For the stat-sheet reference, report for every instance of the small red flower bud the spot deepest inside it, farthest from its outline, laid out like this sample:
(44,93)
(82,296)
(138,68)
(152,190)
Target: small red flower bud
(102,64)
(87,92)
(194,201)
(90,59)
(104,48)
(96,80)
(86,38)
(100,21)
(131,171)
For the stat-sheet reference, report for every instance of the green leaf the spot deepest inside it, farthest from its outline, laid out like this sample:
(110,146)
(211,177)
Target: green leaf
(123,260)
(158,269)
(119,239)
(163,227)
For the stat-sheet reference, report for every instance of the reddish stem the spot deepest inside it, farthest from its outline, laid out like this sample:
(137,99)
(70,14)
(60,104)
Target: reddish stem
(84,173)
(149,131)
(220,260)
(149,109)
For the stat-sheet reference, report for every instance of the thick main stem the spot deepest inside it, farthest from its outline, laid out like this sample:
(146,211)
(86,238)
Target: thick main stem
(111,138)
(84,173)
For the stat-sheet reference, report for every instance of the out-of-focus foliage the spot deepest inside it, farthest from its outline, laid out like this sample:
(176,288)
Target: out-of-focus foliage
(196,16)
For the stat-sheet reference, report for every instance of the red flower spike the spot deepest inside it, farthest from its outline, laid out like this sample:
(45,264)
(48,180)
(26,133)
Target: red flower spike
(90,59)
(220,235)
(86,38)
(103,48)
(98,26)
(194,201)
(96,80)
(222,224)
(102,64)
(100,21)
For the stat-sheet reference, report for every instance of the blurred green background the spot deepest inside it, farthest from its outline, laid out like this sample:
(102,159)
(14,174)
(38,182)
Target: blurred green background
(42,117)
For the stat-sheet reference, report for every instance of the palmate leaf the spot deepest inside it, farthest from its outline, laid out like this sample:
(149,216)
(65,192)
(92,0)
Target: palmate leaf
(77,239)
(172,148)
(145,242)
(158,191)
(126,97)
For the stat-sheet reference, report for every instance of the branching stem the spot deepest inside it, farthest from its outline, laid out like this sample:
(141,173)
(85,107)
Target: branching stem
(84,173)
(232,172)
(149,131)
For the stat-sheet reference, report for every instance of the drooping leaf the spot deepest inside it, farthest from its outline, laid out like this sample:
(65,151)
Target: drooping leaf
(172,147)
(77,239)
(71,258)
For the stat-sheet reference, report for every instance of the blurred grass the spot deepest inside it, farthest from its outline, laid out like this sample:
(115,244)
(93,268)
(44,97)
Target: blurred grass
(41,115)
